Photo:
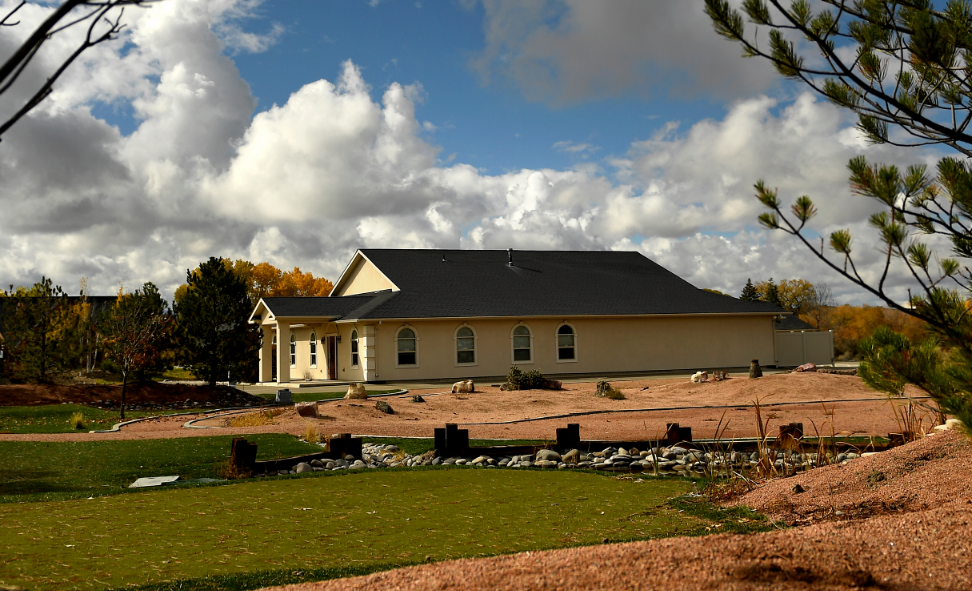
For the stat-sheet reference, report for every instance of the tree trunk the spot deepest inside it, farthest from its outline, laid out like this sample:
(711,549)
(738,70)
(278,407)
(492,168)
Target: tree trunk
(124,385)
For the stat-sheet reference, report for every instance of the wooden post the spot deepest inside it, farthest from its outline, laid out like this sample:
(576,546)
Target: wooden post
(754,370)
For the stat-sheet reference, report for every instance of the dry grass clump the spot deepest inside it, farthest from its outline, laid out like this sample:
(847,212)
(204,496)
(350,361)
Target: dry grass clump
(256,419)
(312,435)
(77,421)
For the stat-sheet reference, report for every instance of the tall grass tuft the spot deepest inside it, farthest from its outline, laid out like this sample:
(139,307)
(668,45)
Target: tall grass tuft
(311,435)
(77,421)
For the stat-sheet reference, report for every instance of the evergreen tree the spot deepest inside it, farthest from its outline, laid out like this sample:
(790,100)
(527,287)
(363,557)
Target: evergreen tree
(37,331)
(772,294)
(895,65)
(212,335)
(749,292)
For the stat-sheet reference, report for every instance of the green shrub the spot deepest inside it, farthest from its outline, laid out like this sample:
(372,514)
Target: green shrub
(517,380)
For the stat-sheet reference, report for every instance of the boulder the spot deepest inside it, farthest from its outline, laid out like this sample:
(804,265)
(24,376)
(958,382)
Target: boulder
(384,407)
(806,367)
(304,467)
(603,387)
(949,425)
(307,409)
(418,398)
(719,375)
(283,397)
(571,457)
(548,455)
(700,377)
(463,387)
(356,391)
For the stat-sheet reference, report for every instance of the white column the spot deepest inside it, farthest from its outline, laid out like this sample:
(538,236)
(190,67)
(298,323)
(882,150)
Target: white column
(266,354)
(283,352)
(366,349)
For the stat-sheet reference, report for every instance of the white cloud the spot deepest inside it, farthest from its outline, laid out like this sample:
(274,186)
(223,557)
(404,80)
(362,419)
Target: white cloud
(331,170)
(568,51)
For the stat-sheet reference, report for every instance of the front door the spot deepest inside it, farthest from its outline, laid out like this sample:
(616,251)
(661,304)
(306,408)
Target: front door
(332,362)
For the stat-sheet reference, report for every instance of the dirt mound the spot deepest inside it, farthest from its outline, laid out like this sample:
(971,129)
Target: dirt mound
(910,548)
(151,394)
(897,480)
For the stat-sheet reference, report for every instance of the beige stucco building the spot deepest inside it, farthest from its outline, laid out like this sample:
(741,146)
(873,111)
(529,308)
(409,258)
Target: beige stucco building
(449,314)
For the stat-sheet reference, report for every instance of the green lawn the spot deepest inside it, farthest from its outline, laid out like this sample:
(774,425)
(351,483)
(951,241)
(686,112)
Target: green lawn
(357,519)
(56,418)
(299,396)
(43,471)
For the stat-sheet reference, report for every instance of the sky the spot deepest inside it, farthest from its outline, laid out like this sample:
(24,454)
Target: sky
(297,131)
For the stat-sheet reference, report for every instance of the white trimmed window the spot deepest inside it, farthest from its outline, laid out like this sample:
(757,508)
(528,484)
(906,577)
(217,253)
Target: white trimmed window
(406,343)
(566,343)
(465,346)
(354,348)
(522,344)
(313,349)
(293,350)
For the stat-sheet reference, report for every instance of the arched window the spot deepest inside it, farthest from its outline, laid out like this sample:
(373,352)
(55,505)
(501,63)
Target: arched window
(354,348)
(313,349)
(566,343)
(293,350)
(522,344)
(465,346)
(407,345)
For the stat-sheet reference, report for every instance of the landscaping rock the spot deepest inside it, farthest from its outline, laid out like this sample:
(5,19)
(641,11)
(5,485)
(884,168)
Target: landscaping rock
(418,398)
(463,387)
(384,407)
(603,387)
(806,367)
(356,391)
(304,467)
(308,410)
(283,397)
(548,455)
(571,457)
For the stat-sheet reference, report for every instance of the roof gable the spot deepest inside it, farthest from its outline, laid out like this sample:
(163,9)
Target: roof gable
(362,276)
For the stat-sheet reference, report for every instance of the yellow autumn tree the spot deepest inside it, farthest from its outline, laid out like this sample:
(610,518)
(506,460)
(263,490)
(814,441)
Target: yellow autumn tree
(265,280)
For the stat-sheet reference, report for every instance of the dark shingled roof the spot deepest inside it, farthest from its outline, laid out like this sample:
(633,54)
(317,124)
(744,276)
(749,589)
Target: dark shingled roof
(469,283)
(308,306)
(792,323)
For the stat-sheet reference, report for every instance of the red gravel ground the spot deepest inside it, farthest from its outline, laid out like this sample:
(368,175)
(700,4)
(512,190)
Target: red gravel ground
(487,413)
(907,531)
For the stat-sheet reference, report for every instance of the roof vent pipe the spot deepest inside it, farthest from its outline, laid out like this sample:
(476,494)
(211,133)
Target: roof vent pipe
(443,257)
(509,252)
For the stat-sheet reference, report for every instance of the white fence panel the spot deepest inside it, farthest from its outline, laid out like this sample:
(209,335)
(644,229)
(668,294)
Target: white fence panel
(796,348)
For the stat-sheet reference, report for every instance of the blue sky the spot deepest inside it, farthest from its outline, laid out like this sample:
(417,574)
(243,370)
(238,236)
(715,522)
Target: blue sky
(295,132)
(490,126)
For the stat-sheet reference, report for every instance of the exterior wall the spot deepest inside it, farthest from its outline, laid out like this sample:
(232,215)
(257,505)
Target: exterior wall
(603,345)
(796,348)
(363,277)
